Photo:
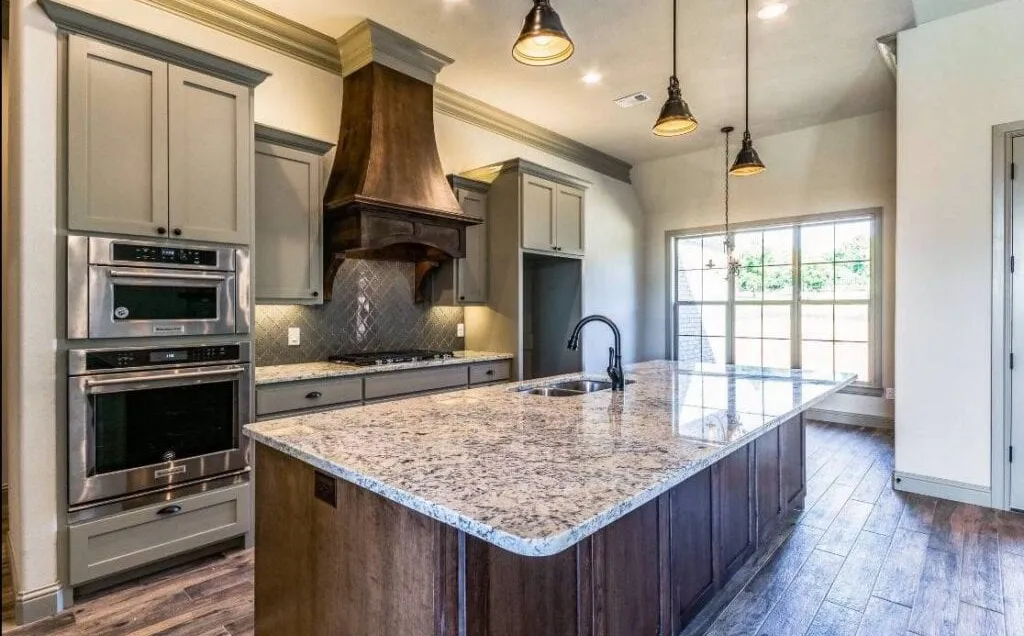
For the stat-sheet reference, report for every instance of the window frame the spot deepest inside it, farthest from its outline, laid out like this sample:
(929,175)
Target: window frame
(875,296)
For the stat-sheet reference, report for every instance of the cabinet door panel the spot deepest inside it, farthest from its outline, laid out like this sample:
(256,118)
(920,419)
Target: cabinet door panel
(472,270)
(735,511)
(569,220)
(288,213)
(691,548)
(538,213)
(117,139)
(210,164)
(792,458)
(769,505)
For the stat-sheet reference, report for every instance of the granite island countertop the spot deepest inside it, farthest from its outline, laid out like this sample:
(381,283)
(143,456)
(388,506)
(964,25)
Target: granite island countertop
(319,370)
(535,475)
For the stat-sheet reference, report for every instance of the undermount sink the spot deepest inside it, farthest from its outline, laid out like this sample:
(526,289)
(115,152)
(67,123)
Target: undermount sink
(570,388)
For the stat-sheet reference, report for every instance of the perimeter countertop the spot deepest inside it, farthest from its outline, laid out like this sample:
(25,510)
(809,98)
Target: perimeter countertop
(534,475)
(318,370)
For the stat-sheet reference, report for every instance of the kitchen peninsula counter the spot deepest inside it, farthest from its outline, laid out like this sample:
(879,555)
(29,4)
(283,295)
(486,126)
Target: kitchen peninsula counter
(498,511)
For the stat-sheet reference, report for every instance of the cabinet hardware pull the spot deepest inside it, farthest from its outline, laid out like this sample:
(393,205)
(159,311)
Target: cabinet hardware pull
(169,510)
(161,230)
(462,298)
(177,231)
(489,372)
(312,395)
(315,294)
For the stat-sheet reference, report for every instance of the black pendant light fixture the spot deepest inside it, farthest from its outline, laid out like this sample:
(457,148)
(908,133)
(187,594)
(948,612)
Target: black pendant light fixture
(747,162)
(543,40)
(675,118)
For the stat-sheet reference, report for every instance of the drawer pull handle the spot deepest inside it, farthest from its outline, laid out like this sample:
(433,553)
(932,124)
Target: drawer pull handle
(489,372)
(169,510)
(312,395)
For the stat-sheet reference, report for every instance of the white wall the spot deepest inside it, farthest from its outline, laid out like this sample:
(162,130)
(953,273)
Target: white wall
(296,97)
(845,165)
(958,77)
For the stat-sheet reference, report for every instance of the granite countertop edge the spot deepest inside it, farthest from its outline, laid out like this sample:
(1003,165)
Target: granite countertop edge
(300,371)
(544,545)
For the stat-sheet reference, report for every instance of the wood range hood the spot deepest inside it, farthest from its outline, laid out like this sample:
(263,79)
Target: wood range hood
(387,197)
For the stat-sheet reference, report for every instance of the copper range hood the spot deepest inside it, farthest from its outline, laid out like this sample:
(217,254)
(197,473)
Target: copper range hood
(387,197)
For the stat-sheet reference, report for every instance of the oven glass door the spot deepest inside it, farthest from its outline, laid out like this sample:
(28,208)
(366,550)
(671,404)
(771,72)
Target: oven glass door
(140,302)
(130,432)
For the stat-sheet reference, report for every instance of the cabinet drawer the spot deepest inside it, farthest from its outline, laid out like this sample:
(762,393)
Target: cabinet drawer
(137,537)
(489,372)
(384,385)
(293,396)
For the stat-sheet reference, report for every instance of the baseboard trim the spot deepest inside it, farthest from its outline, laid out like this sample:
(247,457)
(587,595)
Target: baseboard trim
(35,605)
(850,419)
(942,488)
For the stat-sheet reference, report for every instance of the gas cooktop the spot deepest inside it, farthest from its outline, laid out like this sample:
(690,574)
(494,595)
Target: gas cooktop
(389,357)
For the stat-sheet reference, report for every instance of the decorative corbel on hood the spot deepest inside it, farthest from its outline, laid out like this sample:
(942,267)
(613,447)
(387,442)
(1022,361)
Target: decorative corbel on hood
(387,197)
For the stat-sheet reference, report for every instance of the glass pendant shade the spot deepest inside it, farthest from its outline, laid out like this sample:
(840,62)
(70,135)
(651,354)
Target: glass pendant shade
(747,162)
(675,118)
(543,40)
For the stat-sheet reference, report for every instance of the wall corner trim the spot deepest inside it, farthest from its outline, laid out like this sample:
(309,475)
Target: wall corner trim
(942,488)
(279,34)
(73,20)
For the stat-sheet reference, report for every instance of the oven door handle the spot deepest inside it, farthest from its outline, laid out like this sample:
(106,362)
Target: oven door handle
(166,376)
(121,273)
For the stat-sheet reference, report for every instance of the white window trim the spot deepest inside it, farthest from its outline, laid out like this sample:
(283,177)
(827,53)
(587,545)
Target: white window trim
(875,300)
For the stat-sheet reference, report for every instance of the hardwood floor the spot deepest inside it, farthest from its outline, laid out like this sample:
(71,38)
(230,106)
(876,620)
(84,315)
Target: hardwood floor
(861,560)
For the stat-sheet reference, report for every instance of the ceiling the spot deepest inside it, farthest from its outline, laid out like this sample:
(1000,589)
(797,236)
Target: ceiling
(930,10)
(817,63)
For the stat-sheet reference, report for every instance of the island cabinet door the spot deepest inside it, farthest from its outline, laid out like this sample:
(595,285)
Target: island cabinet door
(734,499)
(767,486)
(688,512)
(792,463)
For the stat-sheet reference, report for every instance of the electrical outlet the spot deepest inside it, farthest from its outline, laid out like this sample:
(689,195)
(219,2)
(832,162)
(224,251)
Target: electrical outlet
(890,393)
(460,330)
(294,336)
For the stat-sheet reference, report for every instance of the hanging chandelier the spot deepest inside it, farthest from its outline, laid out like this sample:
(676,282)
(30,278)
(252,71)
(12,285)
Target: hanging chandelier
(732,264)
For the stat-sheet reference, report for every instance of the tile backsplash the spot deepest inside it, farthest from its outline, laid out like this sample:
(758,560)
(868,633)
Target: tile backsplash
(372,310)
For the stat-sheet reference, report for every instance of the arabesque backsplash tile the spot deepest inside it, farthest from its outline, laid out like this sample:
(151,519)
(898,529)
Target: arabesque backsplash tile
(372,310)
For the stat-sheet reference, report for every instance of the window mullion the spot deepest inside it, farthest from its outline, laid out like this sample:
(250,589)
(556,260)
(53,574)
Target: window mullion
(795,309)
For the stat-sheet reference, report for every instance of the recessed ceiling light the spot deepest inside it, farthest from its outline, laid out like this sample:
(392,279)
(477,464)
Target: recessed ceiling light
(772,10)
(592,77)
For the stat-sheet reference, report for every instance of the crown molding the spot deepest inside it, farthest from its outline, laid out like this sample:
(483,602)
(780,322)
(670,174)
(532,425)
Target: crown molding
(369,42)
(291,139)
(277,33)
(473,111)
(259,26)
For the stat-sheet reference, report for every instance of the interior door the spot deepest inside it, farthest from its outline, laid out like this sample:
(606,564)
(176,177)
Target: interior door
(1017,346)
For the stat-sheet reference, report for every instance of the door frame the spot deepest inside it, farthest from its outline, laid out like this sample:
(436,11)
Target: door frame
(1002,307)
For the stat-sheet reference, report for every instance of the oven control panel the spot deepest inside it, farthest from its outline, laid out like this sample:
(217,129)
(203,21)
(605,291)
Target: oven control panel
(139,358)
(161,254)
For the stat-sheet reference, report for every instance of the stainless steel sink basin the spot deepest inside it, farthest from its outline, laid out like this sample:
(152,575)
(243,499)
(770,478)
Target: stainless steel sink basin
(550,391)
(583,386)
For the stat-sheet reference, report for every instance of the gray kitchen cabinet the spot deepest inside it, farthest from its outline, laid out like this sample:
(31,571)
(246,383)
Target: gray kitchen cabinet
(155,149)
(311,394)
(386,385)
(463,281)
(117,139)
(288,268)
(552,216)
(210,165)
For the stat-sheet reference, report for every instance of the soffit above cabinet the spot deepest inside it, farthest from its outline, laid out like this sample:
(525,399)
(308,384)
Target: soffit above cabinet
(73,20)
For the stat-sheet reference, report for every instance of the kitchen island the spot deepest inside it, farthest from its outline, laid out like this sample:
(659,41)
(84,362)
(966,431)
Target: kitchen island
(497,511)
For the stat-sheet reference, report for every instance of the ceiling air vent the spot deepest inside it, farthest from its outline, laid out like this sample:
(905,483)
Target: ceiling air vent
(633,99)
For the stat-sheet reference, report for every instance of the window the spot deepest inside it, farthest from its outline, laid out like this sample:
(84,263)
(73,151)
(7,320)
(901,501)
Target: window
(802,296)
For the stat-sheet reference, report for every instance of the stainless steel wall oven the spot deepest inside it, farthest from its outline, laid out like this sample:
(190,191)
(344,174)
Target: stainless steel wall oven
(146,418)
(120,288)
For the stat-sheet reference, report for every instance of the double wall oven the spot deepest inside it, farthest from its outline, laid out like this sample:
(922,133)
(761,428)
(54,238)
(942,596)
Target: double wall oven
(159,366)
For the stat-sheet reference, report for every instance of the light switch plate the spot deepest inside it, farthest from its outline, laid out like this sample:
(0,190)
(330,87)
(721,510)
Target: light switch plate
(294,336)
(460,330)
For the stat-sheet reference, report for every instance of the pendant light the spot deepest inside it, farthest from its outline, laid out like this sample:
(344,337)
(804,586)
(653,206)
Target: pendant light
(543,40)
(747,162)
(675,118)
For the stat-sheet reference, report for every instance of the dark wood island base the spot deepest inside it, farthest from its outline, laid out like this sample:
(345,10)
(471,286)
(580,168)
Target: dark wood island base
(370,566)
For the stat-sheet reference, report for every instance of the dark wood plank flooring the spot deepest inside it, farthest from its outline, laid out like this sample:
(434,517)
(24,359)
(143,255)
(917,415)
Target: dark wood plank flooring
(861,560)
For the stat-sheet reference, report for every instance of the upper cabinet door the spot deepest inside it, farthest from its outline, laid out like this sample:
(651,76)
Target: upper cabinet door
(538,218)
(210,158)
(288,213)
(472,270)
(569,220)
(117,140)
